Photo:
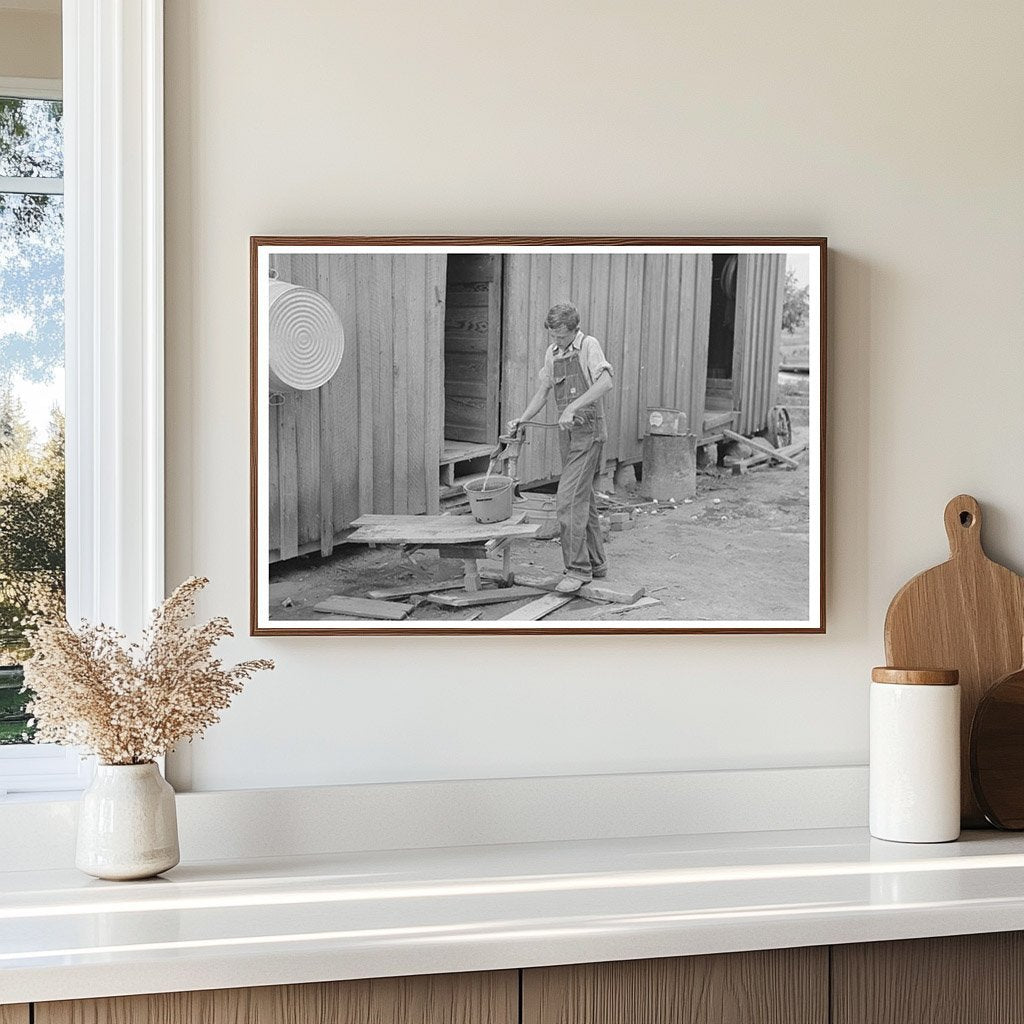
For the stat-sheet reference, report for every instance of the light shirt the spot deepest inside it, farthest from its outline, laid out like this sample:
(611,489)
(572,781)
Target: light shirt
(588,352)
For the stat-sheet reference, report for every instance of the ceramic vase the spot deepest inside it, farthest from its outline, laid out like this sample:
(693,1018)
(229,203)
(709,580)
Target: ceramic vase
(127,825)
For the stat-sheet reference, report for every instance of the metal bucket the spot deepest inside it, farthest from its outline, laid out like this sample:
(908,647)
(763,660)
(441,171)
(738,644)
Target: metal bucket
(493,504)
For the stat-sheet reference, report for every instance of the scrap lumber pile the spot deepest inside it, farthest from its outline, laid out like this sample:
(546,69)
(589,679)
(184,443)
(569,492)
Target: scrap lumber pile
(763,453)
(462,537)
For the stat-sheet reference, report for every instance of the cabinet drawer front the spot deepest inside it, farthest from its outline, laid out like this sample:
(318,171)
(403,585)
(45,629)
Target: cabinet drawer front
(778,986)
(14,1014)
(960,979)
(483,998)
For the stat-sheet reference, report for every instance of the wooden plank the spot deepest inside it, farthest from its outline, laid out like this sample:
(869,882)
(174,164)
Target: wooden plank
(966,979)
(410,590)
(461,452)
(307,431)
(14,1014)
(589,591)
(760,446)
(404,377)
(462,551)
(474,998)
(471,574)
(273,471)
(434,530)
(598,323)
(625,609)
(307,413)
(679,366)
(382,324)
(652,338)
(326,475)
(287,455)
(431,535)
(515,335)
(499,596)
(365,340)
(539,459)
(675,349)
(538,609)
(742,465)
(420,469)
(363,608)
(442,522)
(629,378)
(433,396)
(494,300)
(701,332)
(774,986)
(343,391)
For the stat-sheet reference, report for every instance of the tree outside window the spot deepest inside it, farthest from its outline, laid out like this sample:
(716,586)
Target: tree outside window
(32,545)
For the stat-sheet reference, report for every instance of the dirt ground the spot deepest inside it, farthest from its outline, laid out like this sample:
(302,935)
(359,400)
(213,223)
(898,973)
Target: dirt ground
(739,550)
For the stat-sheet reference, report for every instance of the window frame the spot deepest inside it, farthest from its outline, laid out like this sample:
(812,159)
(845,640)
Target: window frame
(112,90)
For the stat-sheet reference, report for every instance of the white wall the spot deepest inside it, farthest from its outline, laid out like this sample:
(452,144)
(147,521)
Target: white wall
(894,129)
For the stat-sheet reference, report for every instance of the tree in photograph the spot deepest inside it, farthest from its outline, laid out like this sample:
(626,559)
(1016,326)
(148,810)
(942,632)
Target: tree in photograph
(795,304)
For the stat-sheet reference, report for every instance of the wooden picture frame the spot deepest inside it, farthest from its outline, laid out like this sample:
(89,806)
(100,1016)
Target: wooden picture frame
(385,369)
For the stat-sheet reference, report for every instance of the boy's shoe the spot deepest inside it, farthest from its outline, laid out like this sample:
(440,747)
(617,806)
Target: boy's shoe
(569,585)
(599,574)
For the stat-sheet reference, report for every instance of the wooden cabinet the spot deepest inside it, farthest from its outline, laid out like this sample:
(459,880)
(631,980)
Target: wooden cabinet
(491,998)
(962,979)
(967,979)
(777,986)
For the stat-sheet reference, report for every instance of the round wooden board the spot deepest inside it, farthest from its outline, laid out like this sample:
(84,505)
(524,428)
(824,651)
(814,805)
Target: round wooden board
(997,752)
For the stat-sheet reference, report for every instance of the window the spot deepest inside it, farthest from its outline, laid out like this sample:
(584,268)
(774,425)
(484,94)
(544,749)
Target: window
(32,533)
(31,410)
(113,329)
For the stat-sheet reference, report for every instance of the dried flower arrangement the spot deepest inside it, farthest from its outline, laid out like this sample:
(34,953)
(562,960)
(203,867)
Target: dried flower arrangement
(130,703)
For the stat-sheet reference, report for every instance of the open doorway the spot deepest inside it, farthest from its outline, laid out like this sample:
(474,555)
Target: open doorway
(719,397)
(472,362)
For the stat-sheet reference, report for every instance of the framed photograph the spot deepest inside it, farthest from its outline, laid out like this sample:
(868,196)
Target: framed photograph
(537,435)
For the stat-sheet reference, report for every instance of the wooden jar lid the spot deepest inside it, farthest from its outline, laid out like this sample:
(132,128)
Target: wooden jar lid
(916,676)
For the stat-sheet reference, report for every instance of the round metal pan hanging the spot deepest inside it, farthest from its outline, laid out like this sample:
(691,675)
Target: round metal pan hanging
(307,339)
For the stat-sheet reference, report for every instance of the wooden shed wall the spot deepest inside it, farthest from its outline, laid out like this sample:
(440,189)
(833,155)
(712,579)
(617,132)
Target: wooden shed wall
(760,289)
(369,440)
(660,303)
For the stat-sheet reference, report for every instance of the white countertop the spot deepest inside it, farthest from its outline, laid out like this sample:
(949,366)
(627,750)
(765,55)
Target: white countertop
(226,924)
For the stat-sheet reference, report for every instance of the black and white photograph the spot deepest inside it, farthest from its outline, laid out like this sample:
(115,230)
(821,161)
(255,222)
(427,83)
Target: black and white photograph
(537,435)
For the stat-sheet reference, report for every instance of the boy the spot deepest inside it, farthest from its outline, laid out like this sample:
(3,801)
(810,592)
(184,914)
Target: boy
(576,370)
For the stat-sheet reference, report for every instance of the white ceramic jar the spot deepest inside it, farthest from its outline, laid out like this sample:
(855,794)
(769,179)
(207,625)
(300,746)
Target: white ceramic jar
(127,823)
(915,755)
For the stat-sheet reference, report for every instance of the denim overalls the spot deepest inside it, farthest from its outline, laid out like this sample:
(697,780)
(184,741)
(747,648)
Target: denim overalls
(582,447)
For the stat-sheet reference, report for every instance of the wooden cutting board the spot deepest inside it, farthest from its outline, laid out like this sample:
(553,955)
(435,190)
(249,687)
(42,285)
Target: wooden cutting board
(967,614)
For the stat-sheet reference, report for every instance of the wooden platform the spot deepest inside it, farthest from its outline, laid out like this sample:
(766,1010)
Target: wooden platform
(434,530)
(462,451)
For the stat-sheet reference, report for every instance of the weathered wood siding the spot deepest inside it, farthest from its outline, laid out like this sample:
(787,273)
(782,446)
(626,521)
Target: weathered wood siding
(760,289)
(369,440)
(650,313)
(677,313)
